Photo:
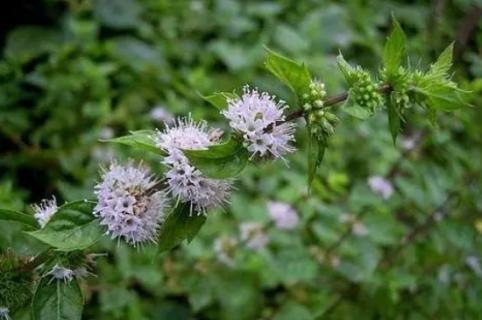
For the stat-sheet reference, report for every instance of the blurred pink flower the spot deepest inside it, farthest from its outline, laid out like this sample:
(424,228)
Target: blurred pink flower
(381,186)
(253,235)
(283,215)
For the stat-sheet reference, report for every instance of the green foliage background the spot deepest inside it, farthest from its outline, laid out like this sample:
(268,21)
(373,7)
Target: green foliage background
(75,71)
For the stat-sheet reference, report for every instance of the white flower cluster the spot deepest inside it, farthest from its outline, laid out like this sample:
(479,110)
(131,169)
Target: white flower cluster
(61,273)
(44,211)
(283,215)
(129,205)
(259,118)
(65,274)
(185,182)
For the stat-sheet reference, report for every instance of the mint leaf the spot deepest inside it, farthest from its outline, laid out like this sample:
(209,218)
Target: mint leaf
(57,300)
(181,224)
(220,99)
(141,139)
(220,161)
(346,69)
(25,219)
(73,227)
(443,64)
(394,120)
(316,151)
(295,76)
(394,49)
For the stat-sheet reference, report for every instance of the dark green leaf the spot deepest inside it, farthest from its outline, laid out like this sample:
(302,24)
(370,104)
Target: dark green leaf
(220,99)
(394,49)
(25,219)
(220,161)
(57,300)
(73,227)
(393,119)
(295,76)
(27,42)
(142,139)
(316,151)
(181,224)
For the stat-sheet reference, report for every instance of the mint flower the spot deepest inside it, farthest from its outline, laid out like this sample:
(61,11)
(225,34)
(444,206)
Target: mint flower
(61,273)
(253,235)
(4,313)
(129,205)
(381,186)
(161,114)
(44,211)
(257,117)
(283,215)
(224,248)
(185,181)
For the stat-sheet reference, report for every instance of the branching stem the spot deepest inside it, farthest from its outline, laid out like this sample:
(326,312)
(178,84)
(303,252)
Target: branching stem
(333,100)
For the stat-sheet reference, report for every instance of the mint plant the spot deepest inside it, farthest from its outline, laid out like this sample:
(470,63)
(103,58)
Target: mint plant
(134,205)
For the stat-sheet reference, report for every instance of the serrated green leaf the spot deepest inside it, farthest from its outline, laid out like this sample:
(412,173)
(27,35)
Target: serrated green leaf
(220,99)
(181,224)
(25,219)
(142,139)
(295,76)
(394,120)
(394,49)
(220,161)
(443,64)
(443,96)
(345,68)
(57,300)
(73,227)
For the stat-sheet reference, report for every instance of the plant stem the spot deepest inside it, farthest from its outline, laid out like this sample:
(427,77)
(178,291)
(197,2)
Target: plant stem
(36,261)
(331,101)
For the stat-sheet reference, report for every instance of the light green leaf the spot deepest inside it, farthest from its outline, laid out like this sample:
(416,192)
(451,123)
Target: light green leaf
(346,69)
(142,139)
(25,219)
(353,109)
(443,64)
(295,76)
(293,310)
(57,300)
(220,161)
(220,99)
(118,14)
(181,224)
(73,227)
(394,49)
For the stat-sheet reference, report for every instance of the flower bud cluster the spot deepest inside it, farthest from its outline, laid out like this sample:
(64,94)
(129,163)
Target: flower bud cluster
(364,90)
(321,122)
(400,83)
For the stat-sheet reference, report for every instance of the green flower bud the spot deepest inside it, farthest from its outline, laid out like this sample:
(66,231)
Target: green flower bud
(318,103)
